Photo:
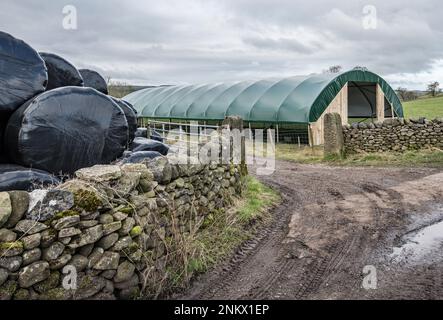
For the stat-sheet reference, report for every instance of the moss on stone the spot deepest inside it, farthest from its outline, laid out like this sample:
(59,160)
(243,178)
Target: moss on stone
(133,247)
(51,283)
(127,210)
(22,294)
(66,213)
(136,231)
(87,200)
(56,294)
(8,289)
(4,246)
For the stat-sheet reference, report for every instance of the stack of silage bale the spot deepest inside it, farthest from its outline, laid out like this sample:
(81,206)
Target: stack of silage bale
(52,121)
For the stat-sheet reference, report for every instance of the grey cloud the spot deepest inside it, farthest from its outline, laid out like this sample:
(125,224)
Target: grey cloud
(174,41)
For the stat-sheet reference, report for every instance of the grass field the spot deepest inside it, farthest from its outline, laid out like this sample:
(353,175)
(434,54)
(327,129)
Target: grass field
(426,157)
(430,108)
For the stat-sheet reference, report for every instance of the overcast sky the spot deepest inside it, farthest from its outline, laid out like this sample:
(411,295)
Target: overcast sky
(199,41)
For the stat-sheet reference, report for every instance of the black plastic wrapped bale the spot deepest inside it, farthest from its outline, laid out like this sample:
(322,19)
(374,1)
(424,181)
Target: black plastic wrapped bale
(25,179)
(140,156)
(3,122)
(93,79)
(23,73)
(131,117)
(66,129)
(8,167)
(141,133)
(61,73)
(143,144)
(156,136)
(131,106)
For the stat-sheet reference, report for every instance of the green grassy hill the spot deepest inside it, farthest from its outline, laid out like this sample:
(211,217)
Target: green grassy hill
(430,108)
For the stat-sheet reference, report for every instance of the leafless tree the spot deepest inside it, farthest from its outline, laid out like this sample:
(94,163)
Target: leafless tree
(334,69)
(434,88)
(406,95)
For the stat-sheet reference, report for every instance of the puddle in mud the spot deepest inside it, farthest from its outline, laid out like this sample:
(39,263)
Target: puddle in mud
(421,243)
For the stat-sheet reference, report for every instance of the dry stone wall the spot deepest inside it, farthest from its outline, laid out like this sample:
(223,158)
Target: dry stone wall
(111,226)
(393,135)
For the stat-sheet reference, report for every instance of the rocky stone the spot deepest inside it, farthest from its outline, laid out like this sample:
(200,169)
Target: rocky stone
(53,252)
(20,204)
(50,283)
(32,241)
(127,226)
(129,293)
(87,224)
(69,232)
(86,250)
(66,222)
(161,169)
(86,197)
(11,249)
(123,243)
(45,204)
(34,273)
(5,208)
(56,294)
(108,274)
(108,241)
(133,282)
(111,227)
(125,272)
(140,168)
(99,173)
(95,256)
(60,262)
(65,241)
(126,184)
(105,219)
(30,227)
(88,286)
(3,276)
(22,294)
(31,256)
(7,290)
(120,216)
(79,262)
(49,236)
(89,236)
(108,261)
(7,235)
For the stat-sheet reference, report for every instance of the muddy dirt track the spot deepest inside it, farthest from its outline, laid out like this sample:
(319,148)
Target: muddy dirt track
(333,222)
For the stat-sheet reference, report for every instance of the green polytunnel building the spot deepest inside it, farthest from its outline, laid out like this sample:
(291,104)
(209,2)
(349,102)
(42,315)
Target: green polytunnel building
(294,106)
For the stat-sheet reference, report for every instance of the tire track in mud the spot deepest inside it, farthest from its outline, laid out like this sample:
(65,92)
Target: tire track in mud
(265,267)
(269,236)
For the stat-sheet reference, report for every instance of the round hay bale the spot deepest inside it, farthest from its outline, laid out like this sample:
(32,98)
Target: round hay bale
(140,156)
(61,73)
(93,79)
(141,133)
(23,73)
(18,178)
(66,129)
(131,117)
(143,144)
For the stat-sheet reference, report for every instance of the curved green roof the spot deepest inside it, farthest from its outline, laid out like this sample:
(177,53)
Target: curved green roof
(299,99)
